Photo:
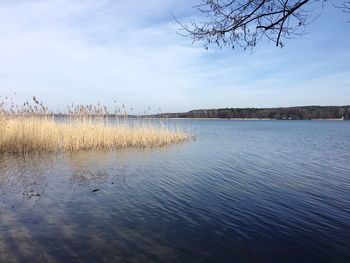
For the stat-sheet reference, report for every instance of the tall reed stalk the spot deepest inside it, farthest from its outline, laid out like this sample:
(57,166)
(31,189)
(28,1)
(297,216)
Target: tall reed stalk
(32,128)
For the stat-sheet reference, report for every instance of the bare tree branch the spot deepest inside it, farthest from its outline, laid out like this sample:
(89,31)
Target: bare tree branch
(243,23)
(345,7)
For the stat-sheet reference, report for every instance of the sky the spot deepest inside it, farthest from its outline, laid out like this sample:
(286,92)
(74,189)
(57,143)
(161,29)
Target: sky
(88,51)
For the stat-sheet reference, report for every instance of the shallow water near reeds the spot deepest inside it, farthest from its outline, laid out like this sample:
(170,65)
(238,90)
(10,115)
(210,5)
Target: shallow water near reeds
(243,191)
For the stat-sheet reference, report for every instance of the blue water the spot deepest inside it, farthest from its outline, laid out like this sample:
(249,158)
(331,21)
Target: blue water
(243,191)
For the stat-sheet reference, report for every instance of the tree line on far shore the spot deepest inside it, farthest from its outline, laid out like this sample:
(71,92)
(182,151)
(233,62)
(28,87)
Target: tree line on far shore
(290,113)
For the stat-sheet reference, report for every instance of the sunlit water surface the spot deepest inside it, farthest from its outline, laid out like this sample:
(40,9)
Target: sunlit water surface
(244,191)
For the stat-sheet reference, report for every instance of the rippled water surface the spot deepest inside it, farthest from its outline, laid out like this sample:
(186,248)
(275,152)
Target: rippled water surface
(244,191)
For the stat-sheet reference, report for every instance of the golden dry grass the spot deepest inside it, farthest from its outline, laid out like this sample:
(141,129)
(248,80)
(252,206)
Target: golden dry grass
(43,135)
(33,128)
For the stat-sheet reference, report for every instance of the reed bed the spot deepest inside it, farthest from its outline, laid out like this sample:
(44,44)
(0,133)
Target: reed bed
(33,129)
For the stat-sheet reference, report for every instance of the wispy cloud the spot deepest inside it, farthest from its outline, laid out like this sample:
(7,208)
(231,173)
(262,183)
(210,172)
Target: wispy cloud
(85,51)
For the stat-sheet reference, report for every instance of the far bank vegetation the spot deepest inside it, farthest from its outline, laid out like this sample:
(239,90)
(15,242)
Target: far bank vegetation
(290,113)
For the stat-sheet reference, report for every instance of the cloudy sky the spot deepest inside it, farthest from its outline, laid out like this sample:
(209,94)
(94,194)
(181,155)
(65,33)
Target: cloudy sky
(84,51)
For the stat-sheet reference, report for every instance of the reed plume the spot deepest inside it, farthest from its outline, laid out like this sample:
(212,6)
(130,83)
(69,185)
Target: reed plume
(33,128)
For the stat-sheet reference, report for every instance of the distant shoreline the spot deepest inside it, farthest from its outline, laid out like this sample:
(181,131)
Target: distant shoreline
(238,119)
(333,113)
(282,113)
(133,117)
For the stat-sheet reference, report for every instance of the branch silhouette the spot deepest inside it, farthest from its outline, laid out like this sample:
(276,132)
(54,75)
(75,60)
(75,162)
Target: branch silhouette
(243,23)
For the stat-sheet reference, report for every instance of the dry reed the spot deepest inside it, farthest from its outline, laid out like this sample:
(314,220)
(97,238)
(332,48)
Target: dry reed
(32,128)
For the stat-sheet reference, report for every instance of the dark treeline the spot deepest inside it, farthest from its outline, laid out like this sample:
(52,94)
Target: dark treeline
(290,113)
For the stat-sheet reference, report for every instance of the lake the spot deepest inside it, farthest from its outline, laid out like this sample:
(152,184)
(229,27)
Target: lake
(243,191)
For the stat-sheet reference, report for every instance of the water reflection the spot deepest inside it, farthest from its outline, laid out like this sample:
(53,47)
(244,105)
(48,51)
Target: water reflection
(68,209)
(245,192)
(32,176)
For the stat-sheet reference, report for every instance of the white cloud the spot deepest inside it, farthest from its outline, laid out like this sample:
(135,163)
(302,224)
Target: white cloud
(86,51)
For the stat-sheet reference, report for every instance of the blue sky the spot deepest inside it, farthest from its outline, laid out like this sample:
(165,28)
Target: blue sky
(84,51)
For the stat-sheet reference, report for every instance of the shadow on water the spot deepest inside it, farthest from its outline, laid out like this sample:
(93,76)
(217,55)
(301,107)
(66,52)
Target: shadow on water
(243,192)
(45,218)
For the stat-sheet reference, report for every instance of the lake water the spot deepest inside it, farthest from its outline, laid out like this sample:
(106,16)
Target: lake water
(244,191)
